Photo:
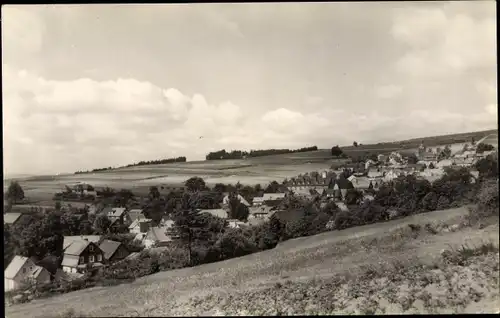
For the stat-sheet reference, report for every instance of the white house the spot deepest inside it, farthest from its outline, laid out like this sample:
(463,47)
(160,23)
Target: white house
(22,269)
(159,236)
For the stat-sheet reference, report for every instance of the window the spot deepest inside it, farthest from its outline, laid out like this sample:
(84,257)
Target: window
(91,258)
(82,259)
(91,248)
(99,257)
(24,270)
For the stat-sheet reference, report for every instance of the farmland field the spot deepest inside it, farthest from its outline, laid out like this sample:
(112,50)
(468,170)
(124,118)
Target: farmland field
(310,260)
(250,171)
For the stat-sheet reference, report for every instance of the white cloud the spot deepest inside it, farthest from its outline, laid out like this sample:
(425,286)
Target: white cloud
(388,91)
(444,41)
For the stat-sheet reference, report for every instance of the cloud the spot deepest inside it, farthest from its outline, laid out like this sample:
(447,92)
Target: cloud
(388,91)
(444,41)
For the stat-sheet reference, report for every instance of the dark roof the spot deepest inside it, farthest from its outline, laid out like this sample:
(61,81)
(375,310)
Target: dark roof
(109,248)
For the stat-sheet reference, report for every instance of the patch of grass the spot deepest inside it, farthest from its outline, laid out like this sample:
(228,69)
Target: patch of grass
(460,255)
(431,228)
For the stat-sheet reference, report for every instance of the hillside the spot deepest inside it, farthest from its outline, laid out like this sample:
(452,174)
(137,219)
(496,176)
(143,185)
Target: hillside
(307,264)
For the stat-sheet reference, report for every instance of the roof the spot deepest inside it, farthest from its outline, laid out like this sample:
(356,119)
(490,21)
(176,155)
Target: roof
(37,271)
(138,222)
(136,214)
(258,199)
(273,196)
(109,248)
(342,206)
(15,266)
(264,209)
(220,213)
(76,247)
(70,260)
(116,212)
(256,221)
(11,218)
(157,233)
(91,238)
(242,200)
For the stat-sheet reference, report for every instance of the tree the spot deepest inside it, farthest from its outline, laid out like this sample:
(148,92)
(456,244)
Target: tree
(273,187)
(58,206)
(237,210)
(487,167)
(429,201)
(43,236)
(412,159)
(102,224)
(336,151)
(355,144)
(443,203)
(219,187)
(482,147)
(352,196)
(15,192)
(195,184)
(431,166)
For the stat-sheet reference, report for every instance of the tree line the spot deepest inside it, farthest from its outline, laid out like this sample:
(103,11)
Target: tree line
(140,163)
(239,154)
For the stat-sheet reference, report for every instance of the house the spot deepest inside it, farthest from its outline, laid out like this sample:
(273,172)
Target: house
(375,174)
(236,224)
(119,214)
(79,254)
(342,206)
(392,175)
(113,251)
(22,269)
(444,163)
(353,179)
(220,213)
(140,226)
(91,238)
(11,218)
(136,214)
(273,199)
(258,200)
(261,212)
(159,236)
(225,200)
(330,193)
(256,221)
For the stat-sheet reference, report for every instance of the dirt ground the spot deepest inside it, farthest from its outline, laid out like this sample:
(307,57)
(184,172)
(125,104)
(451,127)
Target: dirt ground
(300,261)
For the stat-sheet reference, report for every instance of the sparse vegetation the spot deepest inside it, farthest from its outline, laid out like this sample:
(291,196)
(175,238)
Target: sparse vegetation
(239,154)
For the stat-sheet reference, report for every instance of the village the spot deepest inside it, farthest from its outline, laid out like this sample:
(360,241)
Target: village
(346,186)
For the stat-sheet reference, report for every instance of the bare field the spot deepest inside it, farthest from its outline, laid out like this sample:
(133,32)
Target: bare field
(318,257)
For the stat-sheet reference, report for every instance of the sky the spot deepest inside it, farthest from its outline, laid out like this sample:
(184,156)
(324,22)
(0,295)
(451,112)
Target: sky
(90,86)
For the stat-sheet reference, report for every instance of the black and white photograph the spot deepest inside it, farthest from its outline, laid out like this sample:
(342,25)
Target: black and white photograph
(276,159)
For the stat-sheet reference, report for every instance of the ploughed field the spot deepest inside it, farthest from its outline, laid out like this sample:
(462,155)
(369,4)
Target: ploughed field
(317,274)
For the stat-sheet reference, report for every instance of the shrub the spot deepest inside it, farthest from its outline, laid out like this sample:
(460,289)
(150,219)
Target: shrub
(443,203)
(429,201)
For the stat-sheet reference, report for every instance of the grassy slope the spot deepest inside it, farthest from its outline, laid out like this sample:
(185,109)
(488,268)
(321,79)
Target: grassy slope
(324,255)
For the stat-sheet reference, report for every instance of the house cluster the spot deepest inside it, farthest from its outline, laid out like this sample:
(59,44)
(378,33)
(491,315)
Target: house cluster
(80,253)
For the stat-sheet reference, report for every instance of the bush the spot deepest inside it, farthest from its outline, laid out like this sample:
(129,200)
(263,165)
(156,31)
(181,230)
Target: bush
(430,201)
(487,201)
(443,203)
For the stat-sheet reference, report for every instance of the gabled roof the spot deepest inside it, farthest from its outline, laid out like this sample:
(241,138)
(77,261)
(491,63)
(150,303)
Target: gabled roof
(69,239)
(109,248)
(136,214)
(258,199)
(157,233)
(76,247)
(273,196)
(37,271)
(241,198)
(116,212)
(15,266)
(11,218)
(70,260)
(264,209)
(220,213)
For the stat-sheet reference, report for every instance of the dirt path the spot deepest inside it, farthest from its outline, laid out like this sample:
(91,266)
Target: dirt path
(323,255)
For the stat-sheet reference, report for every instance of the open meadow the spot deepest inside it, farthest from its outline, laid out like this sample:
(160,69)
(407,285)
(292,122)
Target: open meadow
(328,270)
